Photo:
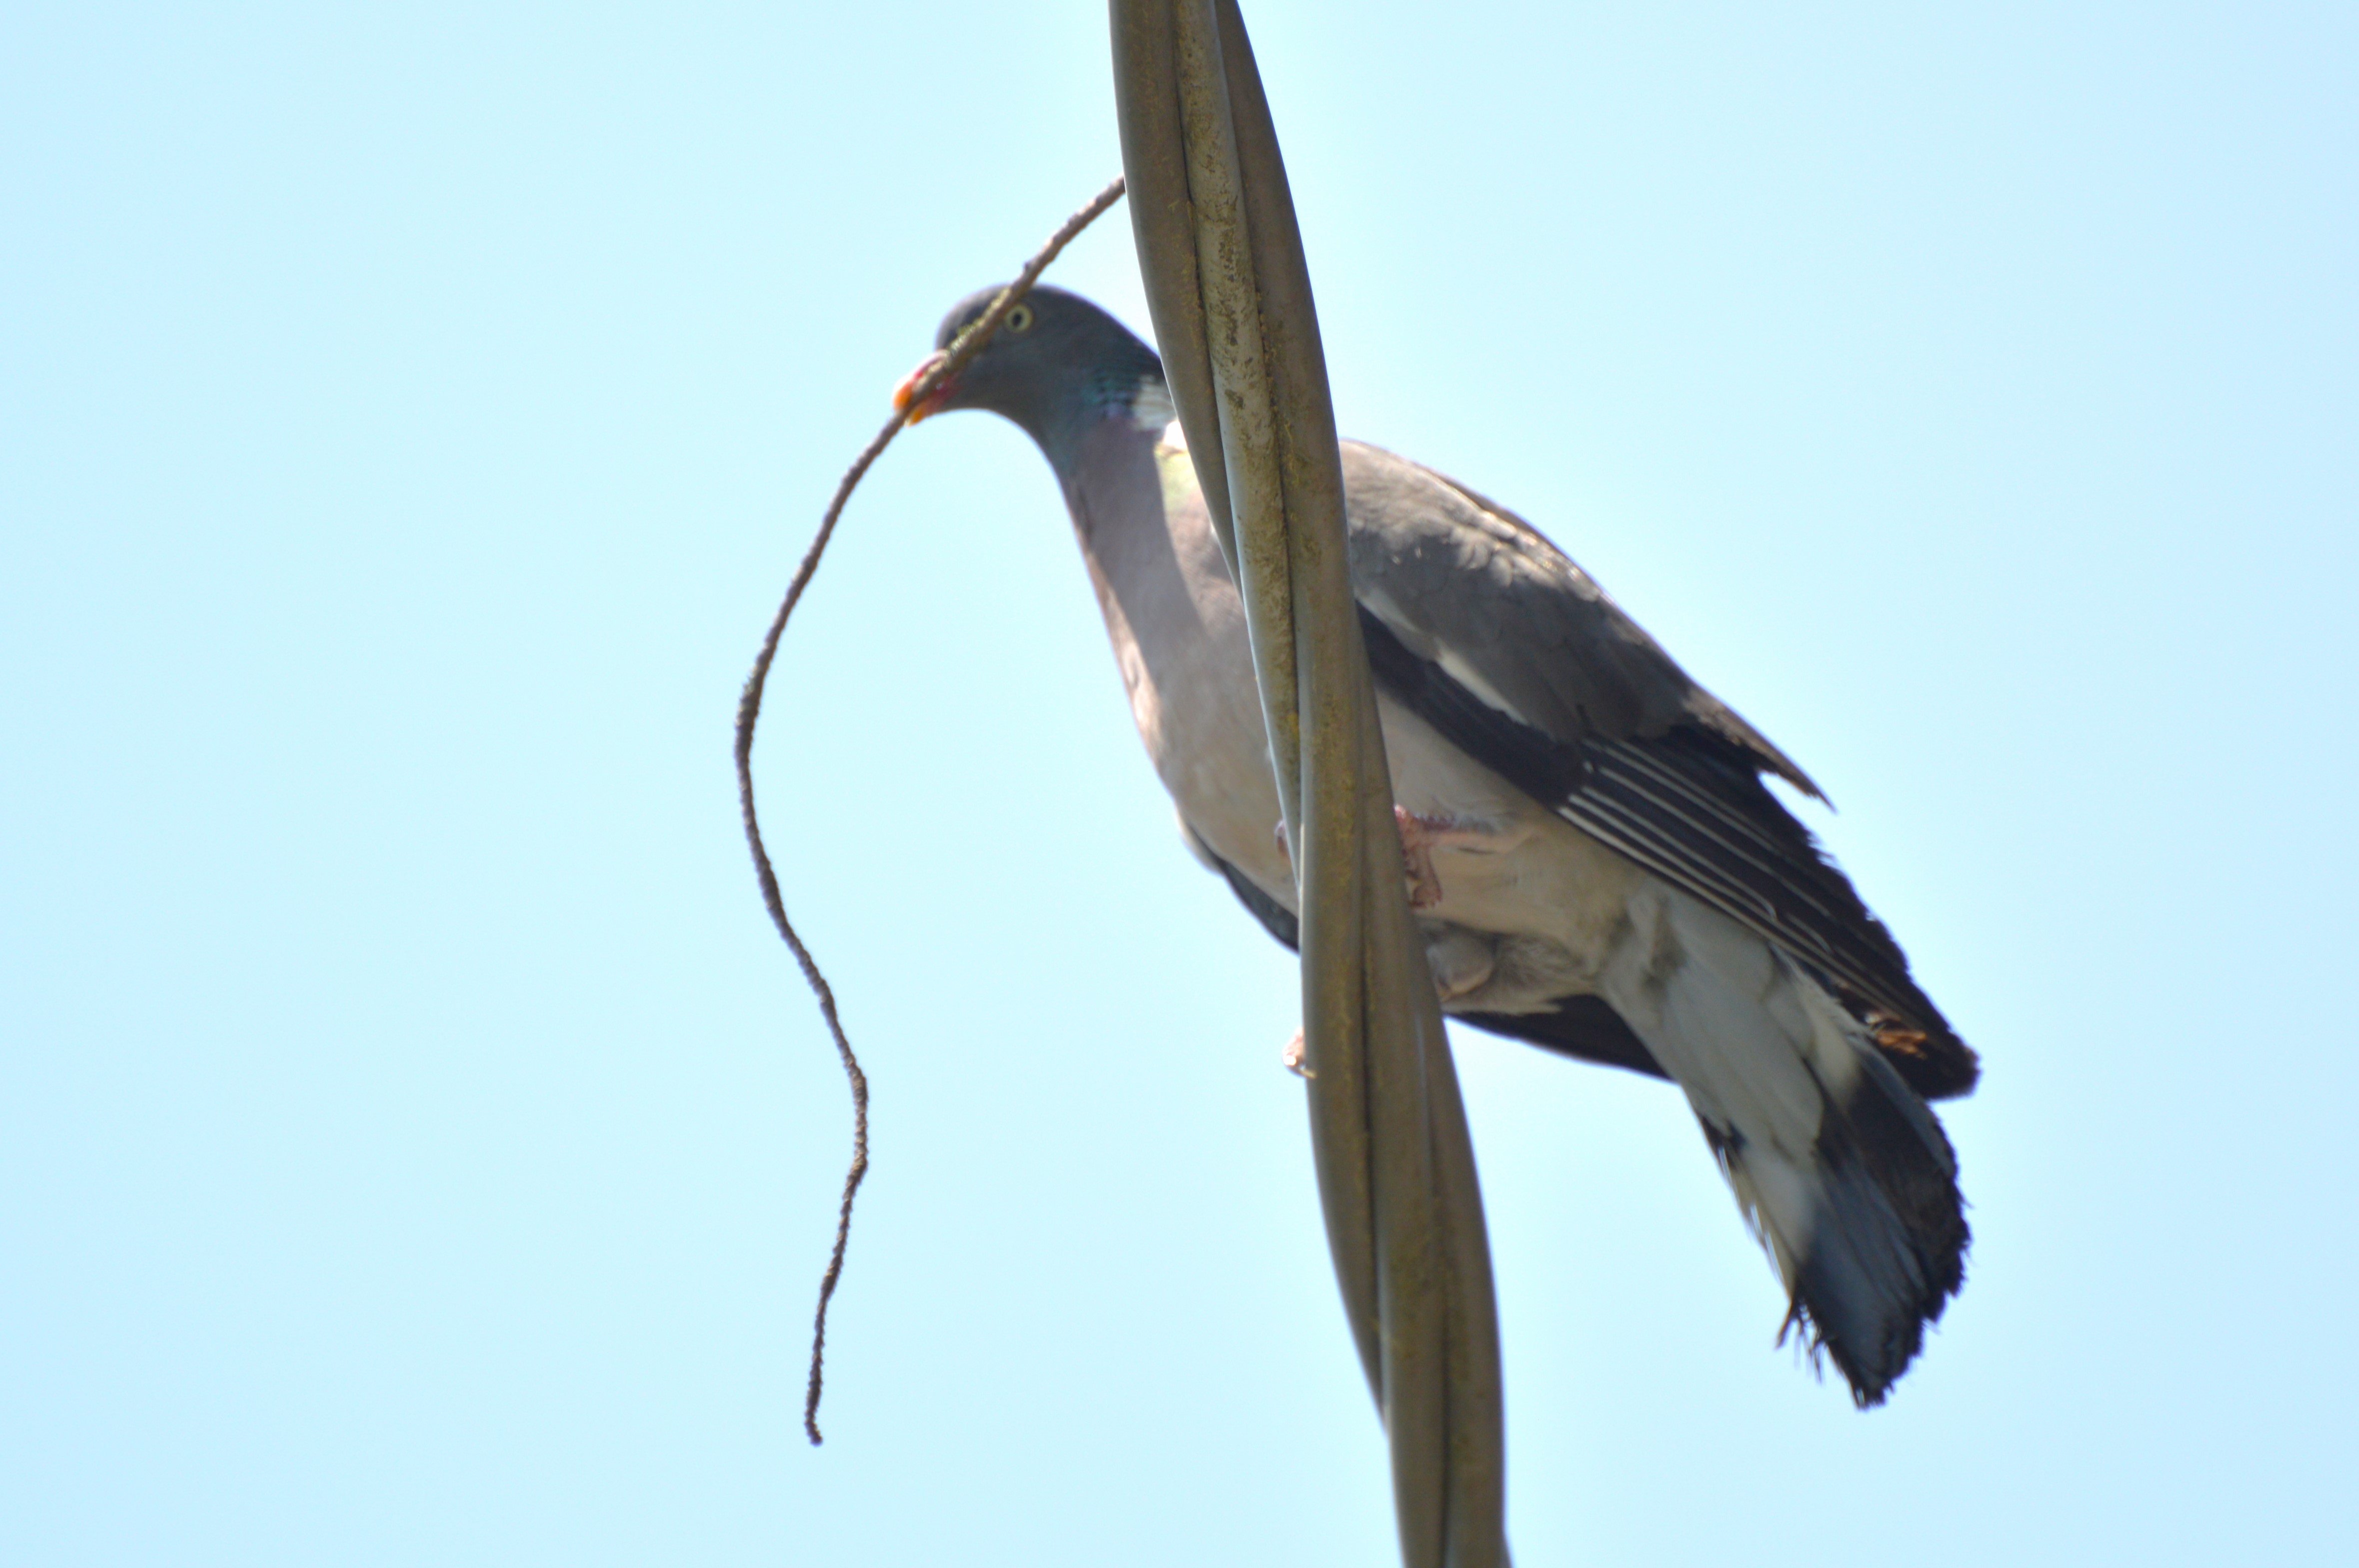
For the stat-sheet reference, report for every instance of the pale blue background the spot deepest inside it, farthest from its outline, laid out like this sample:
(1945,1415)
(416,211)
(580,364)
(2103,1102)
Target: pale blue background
(415,1148)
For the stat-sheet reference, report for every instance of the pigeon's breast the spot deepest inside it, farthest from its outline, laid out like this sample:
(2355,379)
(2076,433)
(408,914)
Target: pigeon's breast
(1177,631)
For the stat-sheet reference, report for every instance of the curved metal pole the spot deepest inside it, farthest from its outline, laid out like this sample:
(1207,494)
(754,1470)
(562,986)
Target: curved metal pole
(1229,292)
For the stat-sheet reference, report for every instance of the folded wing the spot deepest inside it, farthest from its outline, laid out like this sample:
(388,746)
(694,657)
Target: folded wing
(1542,678)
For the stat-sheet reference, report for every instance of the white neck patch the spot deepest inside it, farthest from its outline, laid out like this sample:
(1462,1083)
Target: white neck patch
(1150,405)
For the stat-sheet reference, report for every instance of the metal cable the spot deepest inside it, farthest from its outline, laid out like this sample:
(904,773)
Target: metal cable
(1229,292)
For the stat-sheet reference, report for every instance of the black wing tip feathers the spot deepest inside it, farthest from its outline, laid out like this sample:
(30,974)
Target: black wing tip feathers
(1938,1065)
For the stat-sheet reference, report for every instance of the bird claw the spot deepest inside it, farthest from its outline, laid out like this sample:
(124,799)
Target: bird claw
(1296,1059)
(1420,837)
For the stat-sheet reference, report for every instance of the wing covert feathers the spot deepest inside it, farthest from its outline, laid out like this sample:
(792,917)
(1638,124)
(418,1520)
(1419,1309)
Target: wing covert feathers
(1549,644)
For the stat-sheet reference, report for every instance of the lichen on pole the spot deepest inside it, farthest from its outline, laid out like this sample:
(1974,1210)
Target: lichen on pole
(1229,289)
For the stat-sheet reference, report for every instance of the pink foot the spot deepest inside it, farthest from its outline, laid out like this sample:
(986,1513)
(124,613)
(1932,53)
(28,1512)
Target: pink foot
(1420,837)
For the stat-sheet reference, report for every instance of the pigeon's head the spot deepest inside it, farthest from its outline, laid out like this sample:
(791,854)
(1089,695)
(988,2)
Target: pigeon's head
(1057,365)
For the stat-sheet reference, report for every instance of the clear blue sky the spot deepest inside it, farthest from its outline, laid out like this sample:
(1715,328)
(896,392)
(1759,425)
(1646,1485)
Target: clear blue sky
(414,1145)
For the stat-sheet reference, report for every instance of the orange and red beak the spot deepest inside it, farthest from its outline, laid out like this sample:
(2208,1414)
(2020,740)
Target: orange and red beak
(906,394)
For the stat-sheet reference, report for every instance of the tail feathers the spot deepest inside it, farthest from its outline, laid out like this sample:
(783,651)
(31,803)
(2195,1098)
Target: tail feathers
(1871,1237)
(1841,1169)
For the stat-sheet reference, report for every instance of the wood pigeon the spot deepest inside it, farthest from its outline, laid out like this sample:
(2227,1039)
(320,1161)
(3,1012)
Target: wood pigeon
(1593,861)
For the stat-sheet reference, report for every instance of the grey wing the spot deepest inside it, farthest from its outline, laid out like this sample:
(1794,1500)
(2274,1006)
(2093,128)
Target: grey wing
(1466,582)
(1490,633)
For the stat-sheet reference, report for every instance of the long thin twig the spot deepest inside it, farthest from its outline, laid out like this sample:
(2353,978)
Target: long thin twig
(749,711)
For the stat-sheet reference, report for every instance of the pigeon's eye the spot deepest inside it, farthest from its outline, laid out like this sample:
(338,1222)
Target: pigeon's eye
(1020,319)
